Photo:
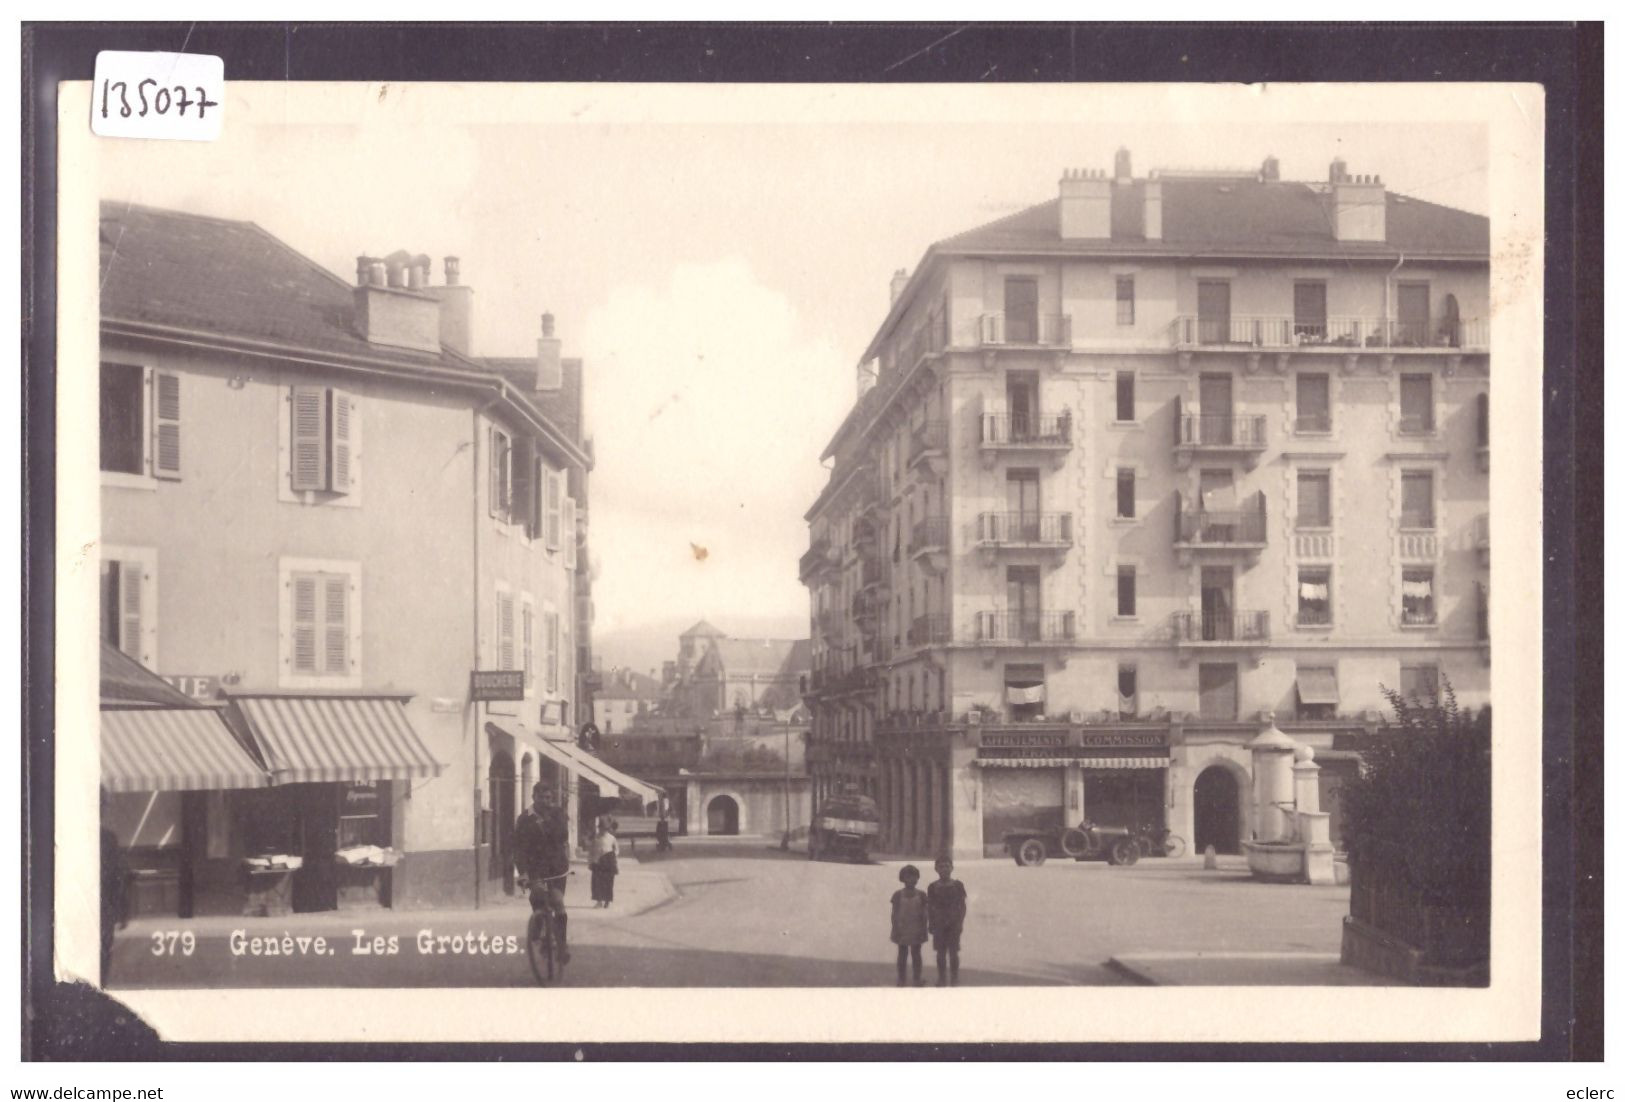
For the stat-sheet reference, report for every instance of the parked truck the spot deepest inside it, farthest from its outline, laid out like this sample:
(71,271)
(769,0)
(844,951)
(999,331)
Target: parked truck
(846,825)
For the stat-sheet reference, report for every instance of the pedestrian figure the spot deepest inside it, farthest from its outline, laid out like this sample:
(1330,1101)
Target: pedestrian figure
(605,863)
(115,896)
(908,924)
(945,905)
(662,835)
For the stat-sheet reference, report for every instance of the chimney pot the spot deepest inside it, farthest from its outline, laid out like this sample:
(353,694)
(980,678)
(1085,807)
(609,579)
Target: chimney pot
(454,271)
(1124,169)
(547,325)
(377,272)
(1271,169)
(414,277)
(363,270)
(1339,171)
(899,280)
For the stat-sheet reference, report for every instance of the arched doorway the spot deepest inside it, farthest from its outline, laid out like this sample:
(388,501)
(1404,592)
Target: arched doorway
(502,819)
(1217,807)
(722,815)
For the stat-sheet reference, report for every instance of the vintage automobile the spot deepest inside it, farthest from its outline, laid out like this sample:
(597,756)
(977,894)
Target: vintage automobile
(1084,842)
(847,825)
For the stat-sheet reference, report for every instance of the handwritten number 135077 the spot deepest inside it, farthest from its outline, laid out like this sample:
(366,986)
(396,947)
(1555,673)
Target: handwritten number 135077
(116,96)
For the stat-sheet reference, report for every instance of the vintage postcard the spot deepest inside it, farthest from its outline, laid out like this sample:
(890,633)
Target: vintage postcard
(704,563)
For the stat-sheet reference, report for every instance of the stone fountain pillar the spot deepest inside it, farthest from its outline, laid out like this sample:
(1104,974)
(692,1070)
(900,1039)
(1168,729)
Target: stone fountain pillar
(1313,825)
(1272,784)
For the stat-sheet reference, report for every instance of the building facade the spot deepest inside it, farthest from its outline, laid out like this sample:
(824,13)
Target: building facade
(316,501)
(1131,472)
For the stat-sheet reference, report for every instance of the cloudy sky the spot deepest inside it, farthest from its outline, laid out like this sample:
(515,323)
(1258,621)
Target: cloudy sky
(720,256)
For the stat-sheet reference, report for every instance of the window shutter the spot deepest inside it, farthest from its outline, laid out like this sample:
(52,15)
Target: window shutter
(538,488)
(166,425)
(341,417)
(553,509)
(304,623)
(505,658)
(524,469)
(309,466)
(550,653)
(336,625)
(570,532)
(529,640)
(129,588)
(496,492)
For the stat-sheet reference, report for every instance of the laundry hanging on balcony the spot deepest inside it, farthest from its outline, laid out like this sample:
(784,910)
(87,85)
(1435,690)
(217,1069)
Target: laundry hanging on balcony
(1314,591)
(1418,587)
(1024,694)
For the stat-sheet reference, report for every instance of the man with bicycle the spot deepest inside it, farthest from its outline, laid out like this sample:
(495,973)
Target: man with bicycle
(541,846)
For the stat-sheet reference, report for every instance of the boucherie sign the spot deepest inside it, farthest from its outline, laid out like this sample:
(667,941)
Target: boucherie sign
(496,685)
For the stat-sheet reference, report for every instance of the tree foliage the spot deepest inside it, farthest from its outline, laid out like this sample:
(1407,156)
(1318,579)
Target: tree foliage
(1420,808)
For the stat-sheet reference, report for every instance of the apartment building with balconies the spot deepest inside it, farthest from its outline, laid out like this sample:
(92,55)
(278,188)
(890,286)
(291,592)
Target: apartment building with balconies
(1132,471)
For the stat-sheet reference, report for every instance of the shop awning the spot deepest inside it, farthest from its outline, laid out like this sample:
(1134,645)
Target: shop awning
(336,738)
(1086,763)
(573,759)
(1317,685)
(174,750)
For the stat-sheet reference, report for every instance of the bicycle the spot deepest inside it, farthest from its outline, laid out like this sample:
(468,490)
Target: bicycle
(541,938)
(1159,843)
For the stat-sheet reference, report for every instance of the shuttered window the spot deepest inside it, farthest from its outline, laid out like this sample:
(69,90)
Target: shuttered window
(320,619)
(554,509)
(1125,395)
(1125,493)
(505,631)
(528,642)
(309,438)
(524,500)
(570,532)
(166,425)
(1314,499)
(126,593)
(325,431)
(500,498)
(550,644)
(1416,499)
(340,441)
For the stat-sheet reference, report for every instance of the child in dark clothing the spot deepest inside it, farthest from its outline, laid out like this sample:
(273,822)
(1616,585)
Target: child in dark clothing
(908,924)
(945,906)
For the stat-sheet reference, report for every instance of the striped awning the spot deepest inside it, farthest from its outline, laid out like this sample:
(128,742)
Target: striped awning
(336,738)
(174,750)
(578,762)
(1086,763)
(1317,685)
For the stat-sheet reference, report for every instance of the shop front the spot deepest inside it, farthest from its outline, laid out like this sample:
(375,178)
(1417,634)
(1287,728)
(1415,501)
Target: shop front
(592,787)
(1050,778)
(161,771)
(326,834)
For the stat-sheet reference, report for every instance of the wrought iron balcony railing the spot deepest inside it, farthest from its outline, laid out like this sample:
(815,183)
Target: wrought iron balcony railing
(1024,528)
(1052,430)
(1204,430)
(1231,626)
(933,629)
(1026,627)
(928,534)
(1222,528)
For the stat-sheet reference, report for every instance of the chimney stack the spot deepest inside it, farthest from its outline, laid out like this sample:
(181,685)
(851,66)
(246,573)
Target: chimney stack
(549,366)
(1086,204)
(456,307)
(1359,206)
(391,305)
(1153,209)
(1271,171)
(899,280)
(1339,171)
(1123,168)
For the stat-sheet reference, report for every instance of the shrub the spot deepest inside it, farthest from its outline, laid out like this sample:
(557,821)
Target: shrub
(1419,812)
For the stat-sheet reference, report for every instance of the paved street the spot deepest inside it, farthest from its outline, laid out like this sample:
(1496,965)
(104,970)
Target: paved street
(742,913)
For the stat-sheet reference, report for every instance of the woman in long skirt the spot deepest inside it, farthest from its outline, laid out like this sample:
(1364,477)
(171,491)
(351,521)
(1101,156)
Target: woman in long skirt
(605,864)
